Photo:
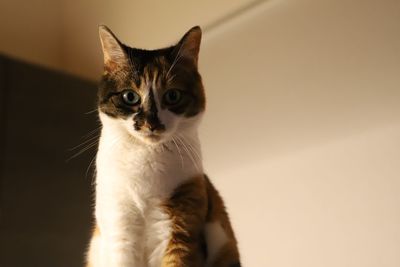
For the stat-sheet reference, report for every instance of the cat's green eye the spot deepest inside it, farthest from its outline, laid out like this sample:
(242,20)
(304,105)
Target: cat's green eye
(172,97)
(130,97)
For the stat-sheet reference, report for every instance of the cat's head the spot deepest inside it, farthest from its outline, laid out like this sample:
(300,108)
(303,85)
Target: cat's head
(151,94)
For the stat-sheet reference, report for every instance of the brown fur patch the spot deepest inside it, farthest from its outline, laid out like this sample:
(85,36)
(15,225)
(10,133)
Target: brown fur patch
(187,209)
(229,254)
(217,210)
(191,206)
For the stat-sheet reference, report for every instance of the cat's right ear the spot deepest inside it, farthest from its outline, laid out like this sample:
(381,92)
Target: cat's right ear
(113,51)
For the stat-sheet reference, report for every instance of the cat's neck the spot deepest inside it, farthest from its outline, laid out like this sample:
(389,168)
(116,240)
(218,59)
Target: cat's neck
(123,156)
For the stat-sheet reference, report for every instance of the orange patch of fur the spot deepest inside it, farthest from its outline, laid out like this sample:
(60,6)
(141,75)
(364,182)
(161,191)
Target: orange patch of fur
(95,233)
(191,206)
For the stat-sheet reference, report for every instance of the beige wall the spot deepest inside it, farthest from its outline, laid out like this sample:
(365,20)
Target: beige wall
(143,24)
(31,31)
(302,134)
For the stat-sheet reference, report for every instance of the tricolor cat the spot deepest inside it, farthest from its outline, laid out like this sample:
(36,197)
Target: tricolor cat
(154,204)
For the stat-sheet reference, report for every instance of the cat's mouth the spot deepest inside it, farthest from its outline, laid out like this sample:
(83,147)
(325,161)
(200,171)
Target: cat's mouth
(151,137)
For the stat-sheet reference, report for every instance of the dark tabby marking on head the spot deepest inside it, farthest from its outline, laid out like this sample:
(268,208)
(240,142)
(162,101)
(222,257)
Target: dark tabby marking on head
(145,71)
(147,115)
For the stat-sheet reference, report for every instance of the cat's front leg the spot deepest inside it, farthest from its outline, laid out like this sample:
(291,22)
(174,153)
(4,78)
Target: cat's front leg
(187,208)
(121,228)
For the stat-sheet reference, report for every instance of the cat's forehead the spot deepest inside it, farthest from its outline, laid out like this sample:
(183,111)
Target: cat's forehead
(153,69)
(151,77)
(148,68)
(148,60)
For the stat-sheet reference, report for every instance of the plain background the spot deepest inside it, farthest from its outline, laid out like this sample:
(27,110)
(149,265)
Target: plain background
(302,132)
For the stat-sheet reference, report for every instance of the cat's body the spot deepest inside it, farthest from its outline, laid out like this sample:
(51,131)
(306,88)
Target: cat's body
(154,205)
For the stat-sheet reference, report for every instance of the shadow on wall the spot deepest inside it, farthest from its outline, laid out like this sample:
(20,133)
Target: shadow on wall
(45,201)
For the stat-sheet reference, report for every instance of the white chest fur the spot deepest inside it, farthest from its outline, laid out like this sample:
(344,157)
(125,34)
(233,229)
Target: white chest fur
(131,183)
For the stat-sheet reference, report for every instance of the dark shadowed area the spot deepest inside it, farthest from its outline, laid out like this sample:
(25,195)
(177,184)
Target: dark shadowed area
(45,200)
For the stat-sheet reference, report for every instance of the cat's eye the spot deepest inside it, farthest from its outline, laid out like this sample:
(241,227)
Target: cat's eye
(172,97)
(130,97)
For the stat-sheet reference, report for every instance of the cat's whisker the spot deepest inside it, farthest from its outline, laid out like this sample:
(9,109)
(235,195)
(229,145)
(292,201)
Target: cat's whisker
(192,157)
(88,168)
(188,152)
(179,151)
(177,57)
(91,111)
(191,147)
(171,78)
(84,142)
(92,132)
(83,150)
(194,153)
(173,65)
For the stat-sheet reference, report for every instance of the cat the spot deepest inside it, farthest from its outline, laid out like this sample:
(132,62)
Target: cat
(154,205)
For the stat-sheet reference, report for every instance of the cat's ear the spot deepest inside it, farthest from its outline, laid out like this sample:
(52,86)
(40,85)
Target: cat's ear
(189,46)
(113,51)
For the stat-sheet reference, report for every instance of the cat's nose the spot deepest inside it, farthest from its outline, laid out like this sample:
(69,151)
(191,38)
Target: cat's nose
(155,126)
(152,127)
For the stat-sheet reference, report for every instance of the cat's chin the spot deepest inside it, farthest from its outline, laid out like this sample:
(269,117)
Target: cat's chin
(151,139)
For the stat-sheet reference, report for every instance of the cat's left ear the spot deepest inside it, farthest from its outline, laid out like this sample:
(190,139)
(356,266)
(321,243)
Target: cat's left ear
(189,46)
